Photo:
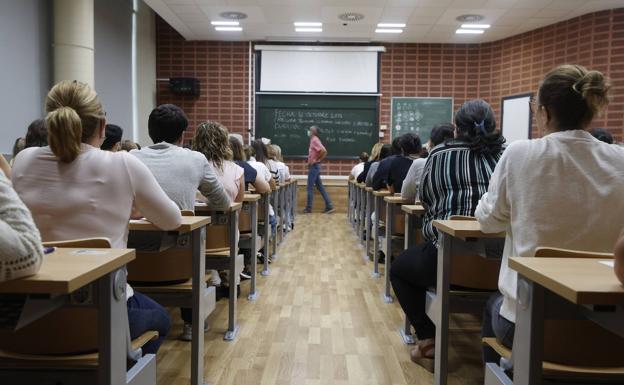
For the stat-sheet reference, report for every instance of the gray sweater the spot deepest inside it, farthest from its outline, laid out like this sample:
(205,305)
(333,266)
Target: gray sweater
(181,172)
(21,252)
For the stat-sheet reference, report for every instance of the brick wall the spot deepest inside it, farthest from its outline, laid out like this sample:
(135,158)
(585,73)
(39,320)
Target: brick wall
(489,71)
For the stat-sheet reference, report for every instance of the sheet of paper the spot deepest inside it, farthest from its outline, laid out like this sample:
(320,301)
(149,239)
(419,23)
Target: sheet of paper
(608,263)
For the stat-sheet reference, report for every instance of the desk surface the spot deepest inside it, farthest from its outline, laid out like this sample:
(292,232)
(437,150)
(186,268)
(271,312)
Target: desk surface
(396,200)
(188,224)
(464,229)
(66,270)
(413,209)
(251,197)
(202,207)
(582,281)
(382,193)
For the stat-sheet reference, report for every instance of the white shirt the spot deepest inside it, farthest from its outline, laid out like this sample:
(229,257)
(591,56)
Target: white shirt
(357,169)
(564,190)
(263,171)
(411,184)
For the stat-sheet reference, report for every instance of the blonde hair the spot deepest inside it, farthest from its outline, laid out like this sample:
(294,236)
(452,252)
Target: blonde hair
(74,113)
(211,139)
(275,152)
(375,152)
(574,95)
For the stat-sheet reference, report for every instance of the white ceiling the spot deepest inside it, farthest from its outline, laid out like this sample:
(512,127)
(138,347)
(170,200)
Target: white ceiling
(428,21)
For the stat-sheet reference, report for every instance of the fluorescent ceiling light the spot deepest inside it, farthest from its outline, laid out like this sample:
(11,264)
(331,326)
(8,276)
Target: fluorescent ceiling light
(229,29)
(388,30)
(391,25)
(469,31)
(309,29)
(224,22)
(477,26)
(308,24)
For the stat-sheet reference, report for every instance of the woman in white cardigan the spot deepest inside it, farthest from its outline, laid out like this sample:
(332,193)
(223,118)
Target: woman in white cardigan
(556,191)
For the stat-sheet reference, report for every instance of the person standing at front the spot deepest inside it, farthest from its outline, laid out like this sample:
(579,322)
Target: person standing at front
(316,153)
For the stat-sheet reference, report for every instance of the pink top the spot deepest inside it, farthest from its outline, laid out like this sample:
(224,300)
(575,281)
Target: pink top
(91,196)
(229,176)
(316,147)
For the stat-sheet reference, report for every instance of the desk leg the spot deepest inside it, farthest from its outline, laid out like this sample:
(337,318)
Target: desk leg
(376,238)
(367,220)
(111,329)
(362,211)
(267,234)
(198,243)
(442,317)
(280,224)
(387,296)
(406,330)
(529,334)
(232,331)
(276,211)
(253,293)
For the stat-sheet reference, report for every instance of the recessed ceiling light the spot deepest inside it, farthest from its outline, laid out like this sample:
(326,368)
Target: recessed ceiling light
(478,26)
(469,31)
(391,25)
(229,29)
(388,30)
(224,23)
(233,15)
(308,24)
(469,18)
(309,29)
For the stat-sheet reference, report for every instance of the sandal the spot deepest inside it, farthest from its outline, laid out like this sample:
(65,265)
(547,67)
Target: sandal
(424,354)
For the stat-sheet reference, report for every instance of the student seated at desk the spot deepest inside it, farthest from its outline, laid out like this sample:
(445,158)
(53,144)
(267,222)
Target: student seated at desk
(358,168)
(379,177)
(36,134)
(277,162)
(439,134)
(411,148)
(374,156)
(258,157)
(75,190)
(619,258)
(251,175)
(602,135)
(384,152)
(557,191)
(20,242)
(456,174)
(112,142)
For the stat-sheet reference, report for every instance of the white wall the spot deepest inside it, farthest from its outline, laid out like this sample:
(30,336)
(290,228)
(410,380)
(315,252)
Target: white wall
(25,69)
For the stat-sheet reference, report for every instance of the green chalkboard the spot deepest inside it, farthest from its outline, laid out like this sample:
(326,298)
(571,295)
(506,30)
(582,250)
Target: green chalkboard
(420,115)
(349,124)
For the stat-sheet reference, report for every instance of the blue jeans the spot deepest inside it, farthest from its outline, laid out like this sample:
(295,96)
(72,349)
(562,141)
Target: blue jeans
(495,325)
(314,179)
(144,314)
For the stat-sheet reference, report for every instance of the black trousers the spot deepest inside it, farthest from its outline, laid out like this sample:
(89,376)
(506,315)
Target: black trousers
(412,272)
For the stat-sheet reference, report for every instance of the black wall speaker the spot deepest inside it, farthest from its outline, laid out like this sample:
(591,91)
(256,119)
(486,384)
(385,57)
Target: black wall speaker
(184,86)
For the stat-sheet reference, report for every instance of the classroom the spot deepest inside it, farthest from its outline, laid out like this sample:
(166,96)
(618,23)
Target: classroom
(320,192)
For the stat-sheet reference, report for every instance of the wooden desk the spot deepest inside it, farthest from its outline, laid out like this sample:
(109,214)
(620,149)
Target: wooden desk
(203,300)
(453,234)
(545,283)
(66,270)
(378,197)
(392,203)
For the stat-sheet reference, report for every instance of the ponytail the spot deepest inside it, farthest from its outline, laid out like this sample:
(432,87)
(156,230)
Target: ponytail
(476,125)
(74,113)
(64,133)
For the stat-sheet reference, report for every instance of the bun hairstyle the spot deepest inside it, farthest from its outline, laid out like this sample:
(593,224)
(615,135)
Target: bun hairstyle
(476,125)
(74,113)
(212,140)
(574,95)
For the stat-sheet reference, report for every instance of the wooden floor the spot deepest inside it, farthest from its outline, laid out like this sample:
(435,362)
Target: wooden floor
(320,320)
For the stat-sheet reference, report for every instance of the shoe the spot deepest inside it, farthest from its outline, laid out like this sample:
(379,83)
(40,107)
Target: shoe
(224,292)
(329,210)
(187,332)
(245,274)
(306,211)
(381,257)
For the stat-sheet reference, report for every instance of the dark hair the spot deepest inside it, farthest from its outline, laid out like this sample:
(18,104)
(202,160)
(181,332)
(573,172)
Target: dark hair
(261,151)
(476,125)
(363,156)
(410,143)
(573,96)
(18,146)
(36,135)
(386,151)
(166,123)
(395,147)
(441,133)
(237,149)
(113,136)
(249,151)
(602,134)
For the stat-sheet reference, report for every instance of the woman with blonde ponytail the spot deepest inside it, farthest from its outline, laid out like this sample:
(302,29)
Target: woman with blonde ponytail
(556,191)
(75,190)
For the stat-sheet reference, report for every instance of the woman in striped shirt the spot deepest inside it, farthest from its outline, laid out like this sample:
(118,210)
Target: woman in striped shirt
(456,174)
